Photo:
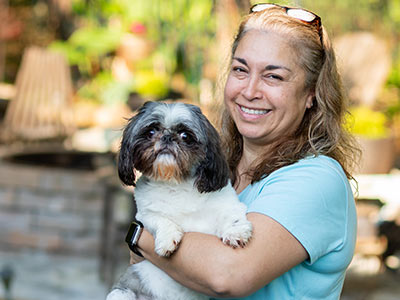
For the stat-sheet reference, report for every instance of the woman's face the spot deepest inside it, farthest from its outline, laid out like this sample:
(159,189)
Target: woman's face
(265,91)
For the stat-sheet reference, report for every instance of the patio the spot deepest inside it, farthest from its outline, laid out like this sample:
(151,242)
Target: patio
(40,276)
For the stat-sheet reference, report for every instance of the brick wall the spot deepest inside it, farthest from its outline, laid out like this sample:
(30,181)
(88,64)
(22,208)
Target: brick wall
(56,210)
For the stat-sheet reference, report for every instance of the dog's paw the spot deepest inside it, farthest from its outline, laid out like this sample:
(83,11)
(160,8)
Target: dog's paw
(167,243)
(238,234)
(121,294)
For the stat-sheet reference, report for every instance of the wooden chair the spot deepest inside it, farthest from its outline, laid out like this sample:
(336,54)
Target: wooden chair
(42,107)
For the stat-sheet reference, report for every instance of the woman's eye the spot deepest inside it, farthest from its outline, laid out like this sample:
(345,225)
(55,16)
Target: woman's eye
(238,69)
(274,76)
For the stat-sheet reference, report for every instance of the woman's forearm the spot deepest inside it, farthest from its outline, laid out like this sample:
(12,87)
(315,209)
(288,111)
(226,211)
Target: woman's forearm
(201,263)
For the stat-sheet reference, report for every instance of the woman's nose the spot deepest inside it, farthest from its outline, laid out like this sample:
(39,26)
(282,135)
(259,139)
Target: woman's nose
(251,91)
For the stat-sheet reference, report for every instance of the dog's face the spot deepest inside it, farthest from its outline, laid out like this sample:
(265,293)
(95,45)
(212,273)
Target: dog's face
(172,142)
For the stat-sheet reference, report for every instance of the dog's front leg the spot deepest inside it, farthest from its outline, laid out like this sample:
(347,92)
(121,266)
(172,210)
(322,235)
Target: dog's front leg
(234,228)
(167,234)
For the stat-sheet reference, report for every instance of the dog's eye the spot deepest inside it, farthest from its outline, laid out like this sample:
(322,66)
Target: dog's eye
(186,137)
(183,135)
(151,132)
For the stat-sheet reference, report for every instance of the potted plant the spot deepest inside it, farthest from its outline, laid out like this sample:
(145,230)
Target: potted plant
(374,135)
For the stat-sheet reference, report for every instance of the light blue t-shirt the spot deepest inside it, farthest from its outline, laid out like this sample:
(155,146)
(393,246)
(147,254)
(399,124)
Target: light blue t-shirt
(313,200)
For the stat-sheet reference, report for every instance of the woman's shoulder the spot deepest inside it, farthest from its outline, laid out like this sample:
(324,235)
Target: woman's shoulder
(316,161)
(320,167)
(318,172)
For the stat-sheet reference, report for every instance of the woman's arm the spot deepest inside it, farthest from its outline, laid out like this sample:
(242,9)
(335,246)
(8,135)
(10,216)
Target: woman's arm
(203,263)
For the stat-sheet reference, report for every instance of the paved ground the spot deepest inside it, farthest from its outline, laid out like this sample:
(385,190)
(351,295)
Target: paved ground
(43,277)
(365,280)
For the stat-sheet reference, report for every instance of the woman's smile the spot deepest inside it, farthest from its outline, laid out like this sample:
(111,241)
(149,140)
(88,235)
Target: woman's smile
(252,113)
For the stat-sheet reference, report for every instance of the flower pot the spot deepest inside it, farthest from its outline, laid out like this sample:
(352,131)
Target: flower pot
(378,155)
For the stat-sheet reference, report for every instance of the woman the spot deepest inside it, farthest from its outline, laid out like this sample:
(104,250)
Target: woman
(290,159)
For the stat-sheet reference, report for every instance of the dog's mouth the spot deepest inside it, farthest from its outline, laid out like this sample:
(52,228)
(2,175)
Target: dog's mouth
(166,167)
(165,151)
(165,156)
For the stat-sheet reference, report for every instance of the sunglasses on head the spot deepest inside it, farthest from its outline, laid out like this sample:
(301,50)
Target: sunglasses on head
(298,13)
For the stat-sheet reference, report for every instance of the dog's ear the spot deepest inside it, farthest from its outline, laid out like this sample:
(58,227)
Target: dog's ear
(213,173)
(126,166)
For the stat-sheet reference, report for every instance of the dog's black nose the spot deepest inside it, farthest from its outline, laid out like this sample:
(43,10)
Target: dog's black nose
(166,138)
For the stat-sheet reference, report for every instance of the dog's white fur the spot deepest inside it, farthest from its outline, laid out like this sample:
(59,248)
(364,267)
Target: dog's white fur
(170,208)
(168,211)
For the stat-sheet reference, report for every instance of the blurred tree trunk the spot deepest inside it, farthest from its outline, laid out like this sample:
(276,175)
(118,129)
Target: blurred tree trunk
(61,17)
(228,14)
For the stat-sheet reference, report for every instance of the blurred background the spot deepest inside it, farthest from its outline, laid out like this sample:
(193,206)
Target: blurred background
(72,71)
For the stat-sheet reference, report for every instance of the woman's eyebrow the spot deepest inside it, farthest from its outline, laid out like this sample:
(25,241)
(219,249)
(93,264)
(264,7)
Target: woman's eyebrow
(275,67)
(267,68)
(241,60)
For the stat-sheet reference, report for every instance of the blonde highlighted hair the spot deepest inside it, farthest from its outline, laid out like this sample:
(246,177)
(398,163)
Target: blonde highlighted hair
(322,130)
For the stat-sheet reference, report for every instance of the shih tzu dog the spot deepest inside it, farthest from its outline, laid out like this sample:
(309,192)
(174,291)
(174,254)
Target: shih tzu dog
(184,187)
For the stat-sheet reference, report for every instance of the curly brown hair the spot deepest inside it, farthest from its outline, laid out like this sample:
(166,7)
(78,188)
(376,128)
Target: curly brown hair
(322,130)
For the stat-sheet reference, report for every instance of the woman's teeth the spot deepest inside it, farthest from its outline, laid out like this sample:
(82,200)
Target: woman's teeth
(254,111)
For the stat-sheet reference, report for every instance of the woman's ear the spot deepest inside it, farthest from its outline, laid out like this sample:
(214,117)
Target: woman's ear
(310,100)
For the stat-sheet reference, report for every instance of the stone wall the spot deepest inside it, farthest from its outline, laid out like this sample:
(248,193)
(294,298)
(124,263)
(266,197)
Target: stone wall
(56,210)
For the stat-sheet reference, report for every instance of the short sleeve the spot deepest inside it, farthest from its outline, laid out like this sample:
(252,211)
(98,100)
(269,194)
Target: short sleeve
(309,199)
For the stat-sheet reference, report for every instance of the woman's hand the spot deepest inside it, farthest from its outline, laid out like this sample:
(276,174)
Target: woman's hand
(135,258)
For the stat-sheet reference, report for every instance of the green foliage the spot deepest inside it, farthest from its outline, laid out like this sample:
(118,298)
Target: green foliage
(88,44)
(151,84)
(367,123)
(394,77)
(180,30)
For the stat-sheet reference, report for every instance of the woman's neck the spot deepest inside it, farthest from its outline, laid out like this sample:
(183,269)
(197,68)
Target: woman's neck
(251,153)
